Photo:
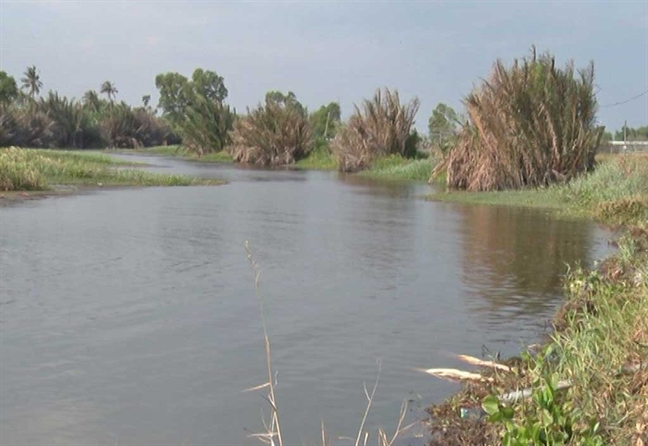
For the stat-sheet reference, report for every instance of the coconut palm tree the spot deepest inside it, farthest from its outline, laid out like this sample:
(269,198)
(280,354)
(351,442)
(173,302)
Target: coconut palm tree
(108,88)
(31,82)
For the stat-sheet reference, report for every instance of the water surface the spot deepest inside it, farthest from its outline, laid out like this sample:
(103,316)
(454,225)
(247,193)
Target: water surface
(129,316)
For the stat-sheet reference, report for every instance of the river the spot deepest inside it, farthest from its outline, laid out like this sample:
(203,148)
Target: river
(129,316)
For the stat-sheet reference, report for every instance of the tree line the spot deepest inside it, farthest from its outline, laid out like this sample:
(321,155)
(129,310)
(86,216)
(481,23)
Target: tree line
(529,124)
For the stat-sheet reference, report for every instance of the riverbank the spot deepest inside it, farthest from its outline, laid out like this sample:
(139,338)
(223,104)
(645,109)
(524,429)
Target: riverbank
(588,383)
(179,152)
(616,193)
(41,172)
(391,167)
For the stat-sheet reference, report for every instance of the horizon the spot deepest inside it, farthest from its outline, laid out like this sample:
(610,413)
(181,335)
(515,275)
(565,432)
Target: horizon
(324,51)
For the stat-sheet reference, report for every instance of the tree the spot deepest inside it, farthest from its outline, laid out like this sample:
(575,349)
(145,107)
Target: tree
(325,120)
(108,88)
(31,82)
(209,85)
(8,89)
(631,134)
(196,109)
(175,94)
(443,126)
(91,99)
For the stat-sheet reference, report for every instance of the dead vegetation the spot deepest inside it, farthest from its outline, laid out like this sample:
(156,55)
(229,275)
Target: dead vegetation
(379,126)
(272,134)
(530,125)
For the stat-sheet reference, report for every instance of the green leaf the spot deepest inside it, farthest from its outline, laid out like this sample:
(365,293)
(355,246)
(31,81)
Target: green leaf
(490,405)
(507,412)
(497,417)
(547,419)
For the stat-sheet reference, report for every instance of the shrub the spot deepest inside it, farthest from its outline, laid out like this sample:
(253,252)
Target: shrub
(126,127)
(381,126)
(529,125)
(205,125)
(272,134)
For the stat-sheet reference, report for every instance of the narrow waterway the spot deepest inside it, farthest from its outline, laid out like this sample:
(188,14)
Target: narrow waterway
(129,316)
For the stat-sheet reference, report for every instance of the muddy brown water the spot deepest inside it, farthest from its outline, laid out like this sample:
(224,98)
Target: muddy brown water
(129,316)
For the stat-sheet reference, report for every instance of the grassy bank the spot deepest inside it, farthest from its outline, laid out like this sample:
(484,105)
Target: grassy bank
(397,167)
(182,152)
(320,158)
(615,193)
(588,384)
(38,170)
(391,167)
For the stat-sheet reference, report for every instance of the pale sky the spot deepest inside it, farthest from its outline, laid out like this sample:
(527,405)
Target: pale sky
(326,51)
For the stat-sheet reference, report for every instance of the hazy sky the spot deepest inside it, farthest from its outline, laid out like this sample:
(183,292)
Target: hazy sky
(325,51)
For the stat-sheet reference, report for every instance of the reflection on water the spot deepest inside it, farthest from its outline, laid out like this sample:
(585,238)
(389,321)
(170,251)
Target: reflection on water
(129,316)
(514,260)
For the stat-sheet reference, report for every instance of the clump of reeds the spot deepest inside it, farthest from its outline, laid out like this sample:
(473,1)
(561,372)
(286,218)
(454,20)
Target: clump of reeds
(380,126)
(530,124)
(272,134)
(126,127)
(205,125)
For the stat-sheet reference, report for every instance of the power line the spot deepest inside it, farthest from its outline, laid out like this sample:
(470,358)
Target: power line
(626,101)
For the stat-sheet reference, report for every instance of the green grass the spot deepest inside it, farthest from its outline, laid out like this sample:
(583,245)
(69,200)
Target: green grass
(397,167)
(320,158)
(37,169)
(182,152)
(616,192)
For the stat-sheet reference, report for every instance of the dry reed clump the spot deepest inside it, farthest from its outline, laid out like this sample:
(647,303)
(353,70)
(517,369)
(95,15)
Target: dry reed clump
(529,125)
(381,126)
(272,134)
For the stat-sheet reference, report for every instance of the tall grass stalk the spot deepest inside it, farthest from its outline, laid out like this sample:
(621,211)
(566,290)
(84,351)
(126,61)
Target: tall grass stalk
(273,434)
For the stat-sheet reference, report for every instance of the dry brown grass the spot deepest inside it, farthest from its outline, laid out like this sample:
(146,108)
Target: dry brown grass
(531,124)
(380,126)
(272,134)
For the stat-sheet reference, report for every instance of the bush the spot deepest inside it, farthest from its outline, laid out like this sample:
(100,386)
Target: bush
(272,134)
(382,126)
(126,127)
(205,125)
(529,125)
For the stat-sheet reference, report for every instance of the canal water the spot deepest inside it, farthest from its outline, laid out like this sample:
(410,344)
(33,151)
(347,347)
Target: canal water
(129,316)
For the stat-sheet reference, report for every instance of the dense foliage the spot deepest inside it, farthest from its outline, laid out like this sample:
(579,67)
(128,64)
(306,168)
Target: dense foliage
(50,121)
(196,108)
